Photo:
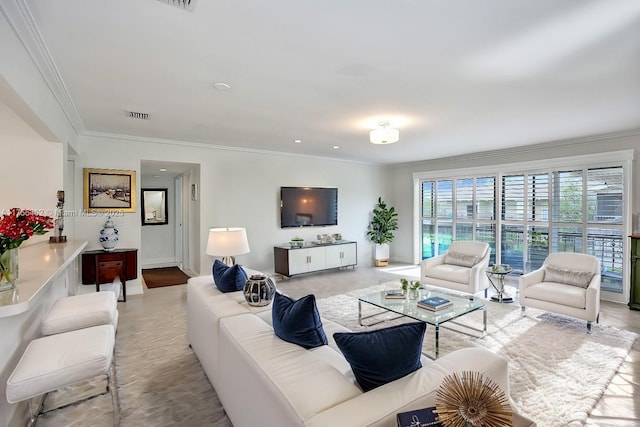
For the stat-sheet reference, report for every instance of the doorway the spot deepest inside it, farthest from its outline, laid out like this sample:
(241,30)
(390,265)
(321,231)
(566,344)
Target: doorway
(175,241)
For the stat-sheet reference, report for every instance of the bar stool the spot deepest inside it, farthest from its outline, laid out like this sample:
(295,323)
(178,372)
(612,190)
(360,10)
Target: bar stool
(60,360)
(81,311)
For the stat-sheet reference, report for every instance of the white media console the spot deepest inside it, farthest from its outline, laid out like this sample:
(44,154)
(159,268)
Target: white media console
(314,257)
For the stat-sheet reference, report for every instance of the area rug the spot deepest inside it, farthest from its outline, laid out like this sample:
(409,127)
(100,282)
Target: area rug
(557,371)
(166,276)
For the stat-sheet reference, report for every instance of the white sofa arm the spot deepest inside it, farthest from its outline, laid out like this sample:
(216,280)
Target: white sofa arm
(478,280)
(593,297)
(531,278)
(430,263)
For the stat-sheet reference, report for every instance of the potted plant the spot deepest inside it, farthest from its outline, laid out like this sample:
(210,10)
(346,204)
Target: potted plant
(297,242)
(381,227)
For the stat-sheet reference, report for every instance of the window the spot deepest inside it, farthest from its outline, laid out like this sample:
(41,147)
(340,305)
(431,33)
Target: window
(576,209)
(473,202)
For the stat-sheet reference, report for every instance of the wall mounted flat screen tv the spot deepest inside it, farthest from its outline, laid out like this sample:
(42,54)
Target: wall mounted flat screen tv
(308,207)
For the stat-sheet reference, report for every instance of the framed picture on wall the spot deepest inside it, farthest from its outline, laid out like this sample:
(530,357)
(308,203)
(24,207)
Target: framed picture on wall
(109,190)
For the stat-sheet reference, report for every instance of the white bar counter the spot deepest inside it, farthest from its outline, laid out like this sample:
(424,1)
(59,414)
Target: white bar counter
(39,265)
(47,272)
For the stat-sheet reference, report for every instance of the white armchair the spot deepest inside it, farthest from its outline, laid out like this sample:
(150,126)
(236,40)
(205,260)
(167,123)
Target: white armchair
(568,283)
(462,268)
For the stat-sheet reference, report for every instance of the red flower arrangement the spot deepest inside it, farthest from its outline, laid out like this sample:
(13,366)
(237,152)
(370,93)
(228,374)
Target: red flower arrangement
(18,225)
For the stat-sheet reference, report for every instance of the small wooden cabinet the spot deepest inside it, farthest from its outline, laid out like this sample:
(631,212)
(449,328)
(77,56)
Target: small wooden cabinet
(634,289)
(314,257)
(99,266)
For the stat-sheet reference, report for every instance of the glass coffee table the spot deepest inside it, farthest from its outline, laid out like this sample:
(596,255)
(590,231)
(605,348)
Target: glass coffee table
(462,304)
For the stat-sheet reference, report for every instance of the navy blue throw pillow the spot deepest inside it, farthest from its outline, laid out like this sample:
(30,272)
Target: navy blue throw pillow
(228,279)
(298,322)
(384,355)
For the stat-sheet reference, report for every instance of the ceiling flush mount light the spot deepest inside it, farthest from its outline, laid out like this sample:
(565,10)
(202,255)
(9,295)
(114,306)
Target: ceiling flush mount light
(384,134)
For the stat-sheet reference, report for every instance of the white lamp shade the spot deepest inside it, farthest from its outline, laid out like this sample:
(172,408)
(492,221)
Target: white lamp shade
(384,135)
(229,241)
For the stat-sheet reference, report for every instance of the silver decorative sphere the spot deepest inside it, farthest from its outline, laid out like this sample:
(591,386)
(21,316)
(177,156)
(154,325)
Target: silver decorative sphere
(259,290)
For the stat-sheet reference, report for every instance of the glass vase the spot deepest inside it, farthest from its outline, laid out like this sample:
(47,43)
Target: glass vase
(8,269)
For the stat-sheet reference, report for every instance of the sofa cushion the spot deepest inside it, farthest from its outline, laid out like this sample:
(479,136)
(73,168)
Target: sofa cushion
(278,383)
(567,276)
(384,355)
(558,293)
(298,322)
(456,258)
(228,279)
(449,272)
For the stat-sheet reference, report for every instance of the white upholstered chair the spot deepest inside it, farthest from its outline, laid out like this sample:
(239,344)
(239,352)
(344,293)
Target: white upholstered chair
(568,283)
(462,268)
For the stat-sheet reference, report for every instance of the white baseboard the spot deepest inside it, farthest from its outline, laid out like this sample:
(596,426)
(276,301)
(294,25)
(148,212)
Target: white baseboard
(159,262)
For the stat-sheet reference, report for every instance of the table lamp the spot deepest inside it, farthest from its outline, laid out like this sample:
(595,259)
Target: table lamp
(227,243)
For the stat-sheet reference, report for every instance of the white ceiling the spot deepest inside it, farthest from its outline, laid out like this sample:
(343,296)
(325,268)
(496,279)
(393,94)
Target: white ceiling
(455,76)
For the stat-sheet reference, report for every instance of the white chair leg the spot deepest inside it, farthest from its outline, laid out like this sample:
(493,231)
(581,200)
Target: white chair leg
(522,308)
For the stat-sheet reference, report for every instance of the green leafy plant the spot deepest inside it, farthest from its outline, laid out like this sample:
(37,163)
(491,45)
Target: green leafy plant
(297,239)
(383,223)
(415,285)
(404,285)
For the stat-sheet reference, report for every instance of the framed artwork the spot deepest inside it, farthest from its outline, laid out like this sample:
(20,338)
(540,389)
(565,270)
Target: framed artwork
(108,190)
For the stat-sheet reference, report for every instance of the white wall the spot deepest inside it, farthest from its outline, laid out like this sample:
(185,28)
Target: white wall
(240,189)
(25,91)
(401,179)
(31,171)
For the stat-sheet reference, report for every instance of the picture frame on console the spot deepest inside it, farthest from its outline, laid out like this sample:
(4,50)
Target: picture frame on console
(108,190)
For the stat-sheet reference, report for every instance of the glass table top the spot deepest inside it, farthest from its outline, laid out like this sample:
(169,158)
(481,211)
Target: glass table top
(462,304)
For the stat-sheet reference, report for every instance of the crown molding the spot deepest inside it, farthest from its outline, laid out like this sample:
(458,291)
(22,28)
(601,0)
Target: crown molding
(147,140)
(24,26)
(539,147)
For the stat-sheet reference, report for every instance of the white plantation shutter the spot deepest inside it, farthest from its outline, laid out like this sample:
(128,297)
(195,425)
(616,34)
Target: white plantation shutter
(513,191)
(538,197)
(485,198)
(444,199)
(464,198)
(428,201)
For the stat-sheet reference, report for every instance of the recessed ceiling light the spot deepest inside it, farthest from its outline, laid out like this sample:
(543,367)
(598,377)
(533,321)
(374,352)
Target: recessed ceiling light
(297,141)
(163,169)
(221,86)
(335,147)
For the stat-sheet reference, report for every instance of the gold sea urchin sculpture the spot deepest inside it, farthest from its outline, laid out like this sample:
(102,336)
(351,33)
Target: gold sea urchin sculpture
(469,399)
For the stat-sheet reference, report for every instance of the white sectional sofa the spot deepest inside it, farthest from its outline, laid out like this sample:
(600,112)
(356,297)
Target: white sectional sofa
(263,380)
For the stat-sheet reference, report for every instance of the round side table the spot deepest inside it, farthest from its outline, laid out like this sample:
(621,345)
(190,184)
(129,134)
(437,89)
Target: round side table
(496,275)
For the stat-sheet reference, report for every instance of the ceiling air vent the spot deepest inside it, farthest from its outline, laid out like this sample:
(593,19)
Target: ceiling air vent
(182,4)
(138,115)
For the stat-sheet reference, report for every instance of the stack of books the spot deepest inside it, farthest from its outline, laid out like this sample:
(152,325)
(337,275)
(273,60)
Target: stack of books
(434,303)
(394,294)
